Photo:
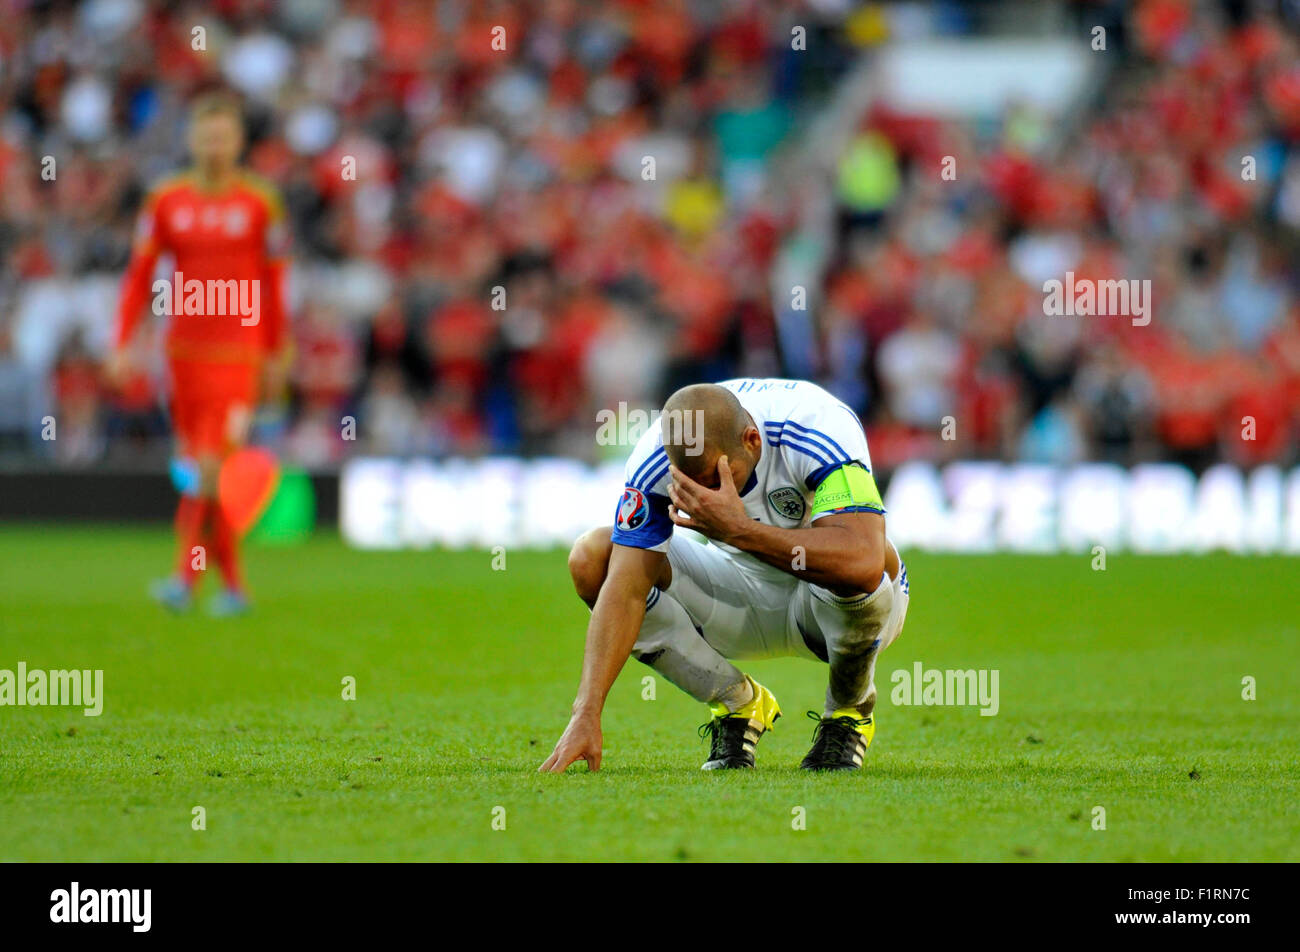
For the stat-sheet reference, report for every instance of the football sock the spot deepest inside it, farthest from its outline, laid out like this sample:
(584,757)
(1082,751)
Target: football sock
(854,627)
(226,544)
(735,697)
(670,643)
(191,513)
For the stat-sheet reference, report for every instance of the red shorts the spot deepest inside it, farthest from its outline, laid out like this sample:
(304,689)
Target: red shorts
(212,405)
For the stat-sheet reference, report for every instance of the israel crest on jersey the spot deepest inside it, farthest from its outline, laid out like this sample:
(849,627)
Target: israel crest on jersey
(788,502)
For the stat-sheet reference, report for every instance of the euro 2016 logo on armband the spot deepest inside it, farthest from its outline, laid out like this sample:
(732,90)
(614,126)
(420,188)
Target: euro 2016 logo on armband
(633,509)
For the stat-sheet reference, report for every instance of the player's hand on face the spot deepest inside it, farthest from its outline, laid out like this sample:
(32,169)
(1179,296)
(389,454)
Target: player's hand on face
(581,740)
(717,513)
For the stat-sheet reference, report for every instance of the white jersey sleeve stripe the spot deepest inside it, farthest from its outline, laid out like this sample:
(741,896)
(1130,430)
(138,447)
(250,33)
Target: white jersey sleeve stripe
(808,433)
(778,436)
(651,463)
(775,439)
(658,474)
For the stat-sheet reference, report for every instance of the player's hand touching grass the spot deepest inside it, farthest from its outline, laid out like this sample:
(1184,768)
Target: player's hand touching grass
(581,740)
(629,574)
(717,513)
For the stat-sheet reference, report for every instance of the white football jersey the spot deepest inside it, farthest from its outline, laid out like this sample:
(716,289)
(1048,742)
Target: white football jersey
(807,435)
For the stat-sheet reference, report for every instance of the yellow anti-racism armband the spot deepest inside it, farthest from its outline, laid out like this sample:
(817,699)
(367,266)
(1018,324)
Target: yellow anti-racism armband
(849,487)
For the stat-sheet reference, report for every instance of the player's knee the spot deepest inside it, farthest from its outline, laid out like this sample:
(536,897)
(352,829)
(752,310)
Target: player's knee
(867,575)
(856,624)
(589,563)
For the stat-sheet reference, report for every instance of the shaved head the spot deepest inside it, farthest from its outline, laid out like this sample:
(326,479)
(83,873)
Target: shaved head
(700,423)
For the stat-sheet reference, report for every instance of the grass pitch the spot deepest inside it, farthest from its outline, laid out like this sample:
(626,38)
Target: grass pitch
(1119,689)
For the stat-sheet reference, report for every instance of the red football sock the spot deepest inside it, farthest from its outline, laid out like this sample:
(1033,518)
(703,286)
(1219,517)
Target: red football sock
(191,514)
(226,544)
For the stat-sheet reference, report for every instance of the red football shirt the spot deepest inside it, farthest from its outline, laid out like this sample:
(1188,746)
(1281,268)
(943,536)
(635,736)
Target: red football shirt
(223,287)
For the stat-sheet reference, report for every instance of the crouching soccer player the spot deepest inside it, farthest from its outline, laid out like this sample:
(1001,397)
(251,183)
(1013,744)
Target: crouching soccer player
(776,474)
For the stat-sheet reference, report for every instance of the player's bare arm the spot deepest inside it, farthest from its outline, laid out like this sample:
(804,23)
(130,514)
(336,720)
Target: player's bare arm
(844,552)
(613,629)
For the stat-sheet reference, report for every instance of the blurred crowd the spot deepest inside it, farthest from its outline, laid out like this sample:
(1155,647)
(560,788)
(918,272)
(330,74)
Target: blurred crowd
(508,216)
(1184,170)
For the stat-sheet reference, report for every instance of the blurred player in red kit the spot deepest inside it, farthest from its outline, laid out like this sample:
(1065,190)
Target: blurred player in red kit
(222,232)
